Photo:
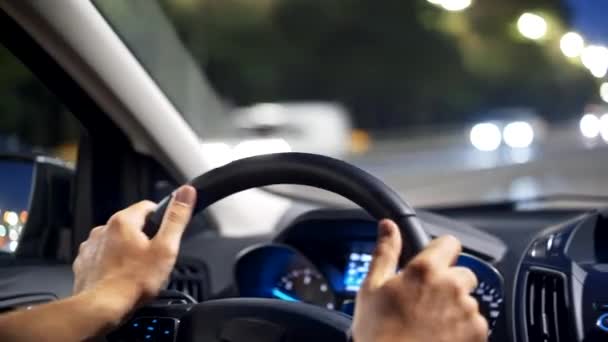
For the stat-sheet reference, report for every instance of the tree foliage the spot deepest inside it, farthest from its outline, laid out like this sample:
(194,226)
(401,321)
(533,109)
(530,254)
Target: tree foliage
(394,63)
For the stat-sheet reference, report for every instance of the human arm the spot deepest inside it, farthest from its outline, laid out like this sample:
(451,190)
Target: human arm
(117,269)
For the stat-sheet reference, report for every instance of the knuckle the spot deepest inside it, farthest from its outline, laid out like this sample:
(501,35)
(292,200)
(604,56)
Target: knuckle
(469,305)
(480,328)
(383,250)
(469,274)
(452,241)
(392,292)
(166,252)
(451,285)
(147,203)
(118,220)
(421,267)
(95,231)
(175,216)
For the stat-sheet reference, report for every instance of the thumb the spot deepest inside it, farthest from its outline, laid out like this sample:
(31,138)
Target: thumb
(386,256)
(176,218)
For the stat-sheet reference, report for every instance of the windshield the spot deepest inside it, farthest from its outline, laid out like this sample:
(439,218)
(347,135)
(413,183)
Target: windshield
(449,101)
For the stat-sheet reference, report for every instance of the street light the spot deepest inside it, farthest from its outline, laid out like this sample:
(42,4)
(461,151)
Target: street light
(572,44)
(590,126)
(604,91)
(452,5)
(595,58)
(604,127)
(532,26)
(456,5)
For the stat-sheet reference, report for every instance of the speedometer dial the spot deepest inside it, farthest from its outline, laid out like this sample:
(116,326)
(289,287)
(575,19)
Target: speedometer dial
(489,292)
(305,285)
(490,302)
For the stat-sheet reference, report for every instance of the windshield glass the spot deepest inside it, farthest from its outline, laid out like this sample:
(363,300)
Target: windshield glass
(449,101)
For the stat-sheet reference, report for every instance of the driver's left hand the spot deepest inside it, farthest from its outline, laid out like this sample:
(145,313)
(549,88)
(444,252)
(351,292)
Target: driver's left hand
(121,262)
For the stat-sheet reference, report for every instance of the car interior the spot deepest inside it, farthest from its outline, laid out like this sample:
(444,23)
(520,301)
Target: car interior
(541,268)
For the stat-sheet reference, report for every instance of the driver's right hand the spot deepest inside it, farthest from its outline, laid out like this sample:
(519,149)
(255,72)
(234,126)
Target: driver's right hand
(429,300)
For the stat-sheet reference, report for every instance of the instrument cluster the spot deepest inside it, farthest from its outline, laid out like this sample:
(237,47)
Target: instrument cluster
(280,271)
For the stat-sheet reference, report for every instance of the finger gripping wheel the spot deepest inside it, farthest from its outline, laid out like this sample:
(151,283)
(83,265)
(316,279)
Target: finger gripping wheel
(235,317)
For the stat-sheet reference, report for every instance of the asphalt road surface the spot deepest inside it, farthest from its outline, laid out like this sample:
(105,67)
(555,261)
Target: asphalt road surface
(447,170)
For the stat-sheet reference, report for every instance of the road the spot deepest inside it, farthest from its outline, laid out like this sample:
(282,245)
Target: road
(446,170)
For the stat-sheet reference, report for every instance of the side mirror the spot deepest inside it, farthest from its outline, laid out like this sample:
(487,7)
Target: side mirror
(35,197)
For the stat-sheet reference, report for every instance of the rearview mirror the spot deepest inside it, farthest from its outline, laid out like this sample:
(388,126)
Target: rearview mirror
(34,195)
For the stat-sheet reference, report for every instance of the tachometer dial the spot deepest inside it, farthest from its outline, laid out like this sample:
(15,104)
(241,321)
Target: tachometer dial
(305,285)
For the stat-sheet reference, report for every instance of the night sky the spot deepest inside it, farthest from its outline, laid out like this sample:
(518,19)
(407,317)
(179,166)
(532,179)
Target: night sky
(591,19)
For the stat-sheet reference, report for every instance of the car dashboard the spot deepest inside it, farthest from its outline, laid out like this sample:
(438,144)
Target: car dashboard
(323,258)
(539,279)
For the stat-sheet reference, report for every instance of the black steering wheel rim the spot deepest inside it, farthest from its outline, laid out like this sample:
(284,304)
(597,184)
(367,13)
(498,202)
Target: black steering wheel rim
(247,319)
(322,172)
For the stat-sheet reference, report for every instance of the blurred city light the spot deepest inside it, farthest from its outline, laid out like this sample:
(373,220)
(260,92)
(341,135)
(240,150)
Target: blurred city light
(11,218)
(595,58)
(518,134)
(455,5)
(604,91)
(604,127)
(23,215)
(485,136)
(572,44)
(2,231)
(13,235)
(452,5)
(532,26)
(590,126)
(13,246)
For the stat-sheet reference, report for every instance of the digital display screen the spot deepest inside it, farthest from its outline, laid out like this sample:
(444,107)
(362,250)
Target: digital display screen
(357,266)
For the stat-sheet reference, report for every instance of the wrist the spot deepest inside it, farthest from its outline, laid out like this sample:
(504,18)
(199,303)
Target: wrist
(113,301)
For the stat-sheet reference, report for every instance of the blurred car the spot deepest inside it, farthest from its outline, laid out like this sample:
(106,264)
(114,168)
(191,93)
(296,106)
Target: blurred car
(302,125)
(510,127)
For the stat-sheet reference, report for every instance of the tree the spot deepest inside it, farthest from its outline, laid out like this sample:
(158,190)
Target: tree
(394,63)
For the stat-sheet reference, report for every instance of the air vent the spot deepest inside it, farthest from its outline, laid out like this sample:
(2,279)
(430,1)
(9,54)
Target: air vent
(191,278)
(547,314)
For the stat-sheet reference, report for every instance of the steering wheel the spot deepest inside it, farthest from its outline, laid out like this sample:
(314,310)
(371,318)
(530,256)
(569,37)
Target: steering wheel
(269,320)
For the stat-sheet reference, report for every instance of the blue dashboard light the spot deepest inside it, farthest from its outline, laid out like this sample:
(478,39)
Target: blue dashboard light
(282,295)
(602,322)
(356,270)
